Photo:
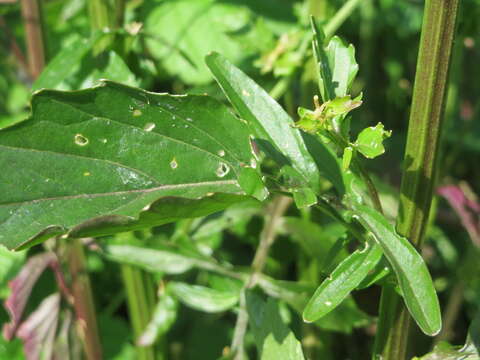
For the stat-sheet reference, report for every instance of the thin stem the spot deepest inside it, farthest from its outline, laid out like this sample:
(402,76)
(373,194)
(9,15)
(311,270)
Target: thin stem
(451,312)
(372,190)
(34,36)
(278,207)
(141,302)
(83,300)
(421,158)
(340,16)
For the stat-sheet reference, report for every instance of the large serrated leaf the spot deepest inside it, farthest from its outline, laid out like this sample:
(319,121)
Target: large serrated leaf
(411,271)
(273,127)
(115,158)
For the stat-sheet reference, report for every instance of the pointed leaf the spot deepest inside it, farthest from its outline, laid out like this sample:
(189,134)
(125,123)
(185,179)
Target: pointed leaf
(203,298)
(411,271)
(271,124)
(114,158)
(153,260)
(343,280)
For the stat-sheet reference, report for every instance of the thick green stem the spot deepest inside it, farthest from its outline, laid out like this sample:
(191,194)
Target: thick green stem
(421,158)
(83,300)
(140,292)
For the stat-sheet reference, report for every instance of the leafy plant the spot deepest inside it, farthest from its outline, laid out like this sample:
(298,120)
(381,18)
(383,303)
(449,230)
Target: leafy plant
(177,190)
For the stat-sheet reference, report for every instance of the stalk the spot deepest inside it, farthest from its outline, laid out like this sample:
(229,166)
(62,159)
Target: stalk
(99,11)
(141,302)
(83,300)
(34,36)
(340,16)
(421,160)
(278,207)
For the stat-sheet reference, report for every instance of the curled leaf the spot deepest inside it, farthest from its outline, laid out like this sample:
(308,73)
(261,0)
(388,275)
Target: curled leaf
(370,141)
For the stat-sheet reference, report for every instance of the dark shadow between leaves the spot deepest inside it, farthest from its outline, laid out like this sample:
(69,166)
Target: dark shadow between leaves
(265,319)
(326,162)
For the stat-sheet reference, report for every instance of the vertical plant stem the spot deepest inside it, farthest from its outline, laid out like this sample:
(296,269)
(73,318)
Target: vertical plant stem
(278,207)
(340,16)
(34,36)
(421,158)
(83,300)
(99,12)
(141,301)
(318,8)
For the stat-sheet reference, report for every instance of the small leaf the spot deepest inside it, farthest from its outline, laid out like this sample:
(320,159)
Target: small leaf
(275,341)
(38,331)
(203,298)
(347,157)
(370,141)
(343,280)
(411,271)
(21,287)
(163,318)
(321,118)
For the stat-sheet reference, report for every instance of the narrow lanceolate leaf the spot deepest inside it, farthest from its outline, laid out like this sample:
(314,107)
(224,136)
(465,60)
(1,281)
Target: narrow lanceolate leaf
(152,260)
(411,271)
(271,124)
(336,65)
(203,298)
(343,280)
(114,158)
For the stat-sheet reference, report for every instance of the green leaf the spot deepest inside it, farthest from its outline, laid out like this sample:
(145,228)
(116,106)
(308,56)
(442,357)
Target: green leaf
(272,125)
(275,341)
(114,158)
(164,316)
(65,63)
(154,260)
(336,65)
(180,33)
(10,264)
(347,157)
(343,280)
(370,141)
(203,298)
(321,118)
(345,318)
(410,269)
